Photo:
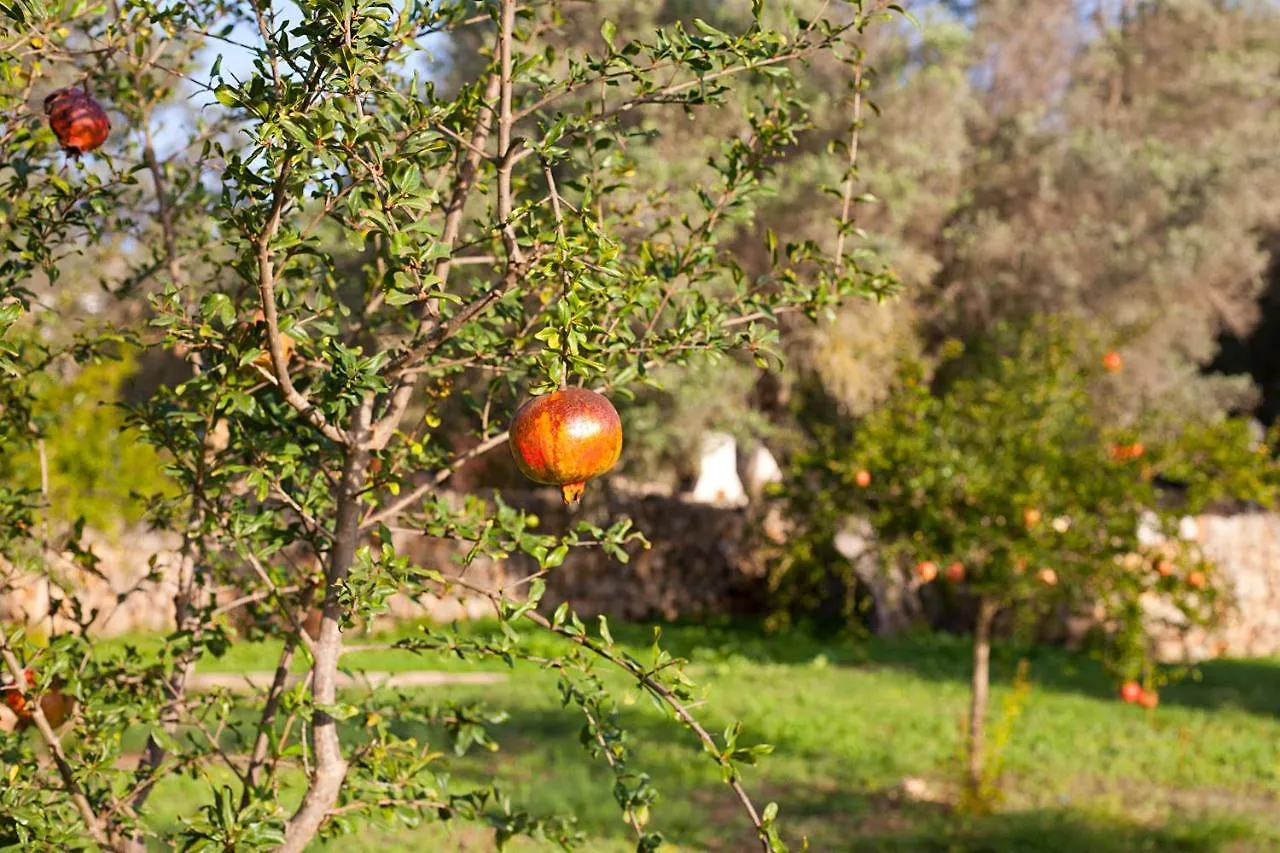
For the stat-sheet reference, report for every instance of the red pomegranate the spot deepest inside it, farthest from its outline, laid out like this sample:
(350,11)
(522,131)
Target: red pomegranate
(1149,699)
(56,705)
(1130,692)
(926,570)
(862,478)
(955,572)
(1112,362)
(15,701)
(77,120)
(566,438)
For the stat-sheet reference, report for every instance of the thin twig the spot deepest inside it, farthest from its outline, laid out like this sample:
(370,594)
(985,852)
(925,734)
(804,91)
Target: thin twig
(846,206)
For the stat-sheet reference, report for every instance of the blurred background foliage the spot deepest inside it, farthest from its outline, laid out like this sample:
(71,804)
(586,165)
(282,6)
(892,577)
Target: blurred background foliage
(1107,160)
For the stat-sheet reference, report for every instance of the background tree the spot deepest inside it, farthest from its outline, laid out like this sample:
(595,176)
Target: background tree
(1001,481)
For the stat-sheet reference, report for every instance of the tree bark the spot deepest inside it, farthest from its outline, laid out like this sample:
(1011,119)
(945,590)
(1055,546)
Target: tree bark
(980,689)
(330,766)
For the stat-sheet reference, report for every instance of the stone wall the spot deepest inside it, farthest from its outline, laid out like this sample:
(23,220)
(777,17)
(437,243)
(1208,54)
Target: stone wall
(1245,548)
(704,560)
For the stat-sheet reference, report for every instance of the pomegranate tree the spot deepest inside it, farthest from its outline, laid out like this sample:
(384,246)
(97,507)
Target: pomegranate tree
(405,262)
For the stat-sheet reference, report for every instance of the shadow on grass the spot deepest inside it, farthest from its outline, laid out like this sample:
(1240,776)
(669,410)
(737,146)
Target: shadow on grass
(1247,685)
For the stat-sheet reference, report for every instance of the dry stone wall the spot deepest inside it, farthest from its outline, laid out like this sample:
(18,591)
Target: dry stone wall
(704,560)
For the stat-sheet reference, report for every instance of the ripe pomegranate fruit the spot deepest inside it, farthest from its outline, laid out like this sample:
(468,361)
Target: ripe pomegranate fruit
(15,701)
(1112,362)
(955,572)
(1164,567)
(926,570)
(1196,579)
(77,120)
(566,438)
(1149,699)
(1130,692)
(56,705)
(1123,452)
(862,479)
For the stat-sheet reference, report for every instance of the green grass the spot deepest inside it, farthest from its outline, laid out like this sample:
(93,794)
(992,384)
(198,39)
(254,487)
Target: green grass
(849,721)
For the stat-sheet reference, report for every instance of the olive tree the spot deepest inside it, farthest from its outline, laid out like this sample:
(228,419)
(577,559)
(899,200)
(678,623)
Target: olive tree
(364,271)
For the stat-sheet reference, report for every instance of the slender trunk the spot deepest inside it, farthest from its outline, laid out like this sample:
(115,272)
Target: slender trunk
(980,691)
(330,766)
(262,741)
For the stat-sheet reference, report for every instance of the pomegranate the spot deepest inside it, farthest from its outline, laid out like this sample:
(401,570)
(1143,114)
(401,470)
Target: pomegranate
(1149,699)
(862,479)
(77,120)
(1197,580)
(1031,516)
(1112,362)
(955,572)
(15,701)
(566,438)
(926,570)
(55,704)
(1130,692)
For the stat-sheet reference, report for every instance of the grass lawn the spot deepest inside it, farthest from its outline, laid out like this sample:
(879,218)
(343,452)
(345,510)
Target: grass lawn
(850,720)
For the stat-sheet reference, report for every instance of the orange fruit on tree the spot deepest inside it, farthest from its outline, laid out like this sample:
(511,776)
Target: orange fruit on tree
(1130,692)
(926,570)
(862,478)
(1112,362)
(566,438)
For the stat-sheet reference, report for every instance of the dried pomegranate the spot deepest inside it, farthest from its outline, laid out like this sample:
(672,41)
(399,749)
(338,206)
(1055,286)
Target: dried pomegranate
(566,438)
(77,120)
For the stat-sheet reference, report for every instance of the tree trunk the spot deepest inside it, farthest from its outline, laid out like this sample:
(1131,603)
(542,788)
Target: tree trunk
(330,765)
(980,688)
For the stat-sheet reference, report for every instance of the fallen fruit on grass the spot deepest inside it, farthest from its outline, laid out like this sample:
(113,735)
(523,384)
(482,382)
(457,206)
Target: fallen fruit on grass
(862,478)
(1149,699)
(566,438)
(1130,692)
(926,571)
(955,572)
(1112,362)
(80,124)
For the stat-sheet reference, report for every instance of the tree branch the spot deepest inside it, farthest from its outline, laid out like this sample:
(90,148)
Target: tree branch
(267,298)
(51,741)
